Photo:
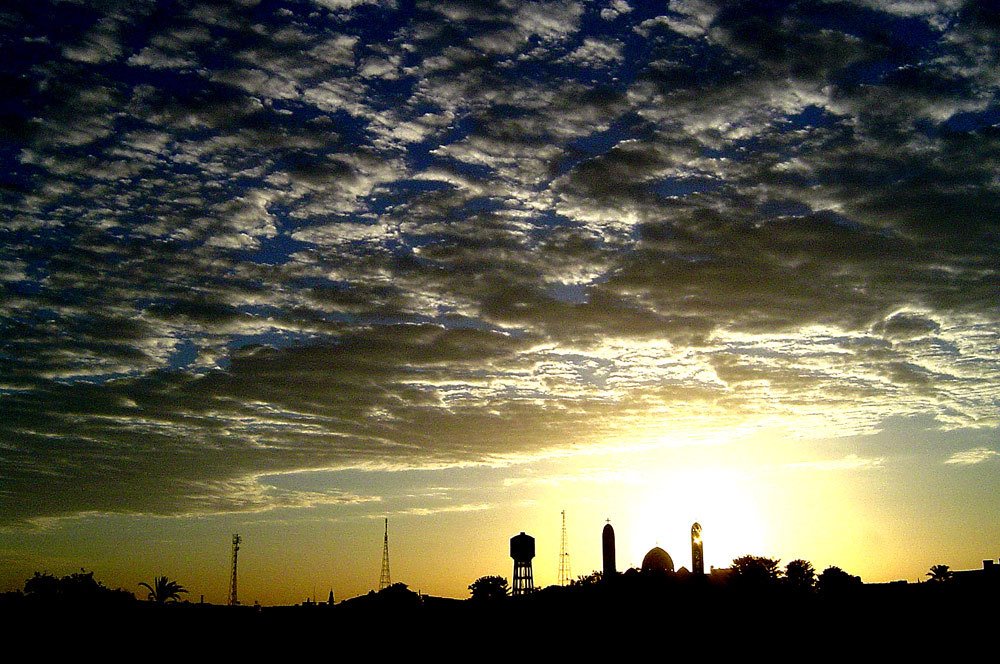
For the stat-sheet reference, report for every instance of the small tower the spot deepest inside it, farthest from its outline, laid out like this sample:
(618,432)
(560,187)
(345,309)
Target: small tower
(608,546)
(565,575)
(697,550)
(522,550)
(233,596)
(384,580)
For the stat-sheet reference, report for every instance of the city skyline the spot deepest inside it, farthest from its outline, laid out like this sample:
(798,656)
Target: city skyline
(287,268)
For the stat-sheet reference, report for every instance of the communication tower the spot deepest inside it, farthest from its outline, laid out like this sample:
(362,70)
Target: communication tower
(384,580)
(522,550)
(697,550)
(565,576)
(233,596)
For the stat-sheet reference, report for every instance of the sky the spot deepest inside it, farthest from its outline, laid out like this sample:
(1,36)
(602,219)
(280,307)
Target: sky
(287,268)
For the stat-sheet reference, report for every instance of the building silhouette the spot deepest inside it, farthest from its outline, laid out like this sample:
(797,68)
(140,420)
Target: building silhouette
(522,550)
(608,547)
(990,572)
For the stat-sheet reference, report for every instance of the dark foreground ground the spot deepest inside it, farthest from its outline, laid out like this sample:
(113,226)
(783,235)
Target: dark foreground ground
(602,622)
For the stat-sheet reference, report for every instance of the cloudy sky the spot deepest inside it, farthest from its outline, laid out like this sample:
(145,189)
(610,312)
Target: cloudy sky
(287,267)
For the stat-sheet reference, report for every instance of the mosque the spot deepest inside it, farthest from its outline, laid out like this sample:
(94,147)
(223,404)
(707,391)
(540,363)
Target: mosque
(656,560)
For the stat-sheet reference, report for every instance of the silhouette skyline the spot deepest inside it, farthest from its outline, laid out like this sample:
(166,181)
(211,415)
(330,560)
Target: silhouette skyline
(749,576)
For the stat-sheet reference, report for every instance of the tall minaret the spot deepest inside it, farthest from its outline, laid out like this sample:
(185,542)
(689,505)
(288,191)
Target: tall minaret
(608,544)
(697,550)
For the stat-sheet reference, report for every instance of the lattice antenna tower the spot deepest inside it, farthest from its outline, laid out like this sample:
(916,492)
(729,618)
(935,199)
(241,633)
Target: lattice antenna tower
(565,575)
(384,579)
(233,596)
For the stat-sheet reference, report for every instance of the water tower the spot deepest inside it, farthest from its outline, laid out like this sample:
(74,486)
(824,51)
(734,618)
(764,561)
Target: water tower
(522,550)
(697,550)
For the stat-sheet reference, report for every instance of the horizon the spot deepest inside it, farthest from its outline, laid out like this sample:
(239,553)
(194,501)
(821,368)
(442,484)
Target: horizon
(188,596)
(285,268)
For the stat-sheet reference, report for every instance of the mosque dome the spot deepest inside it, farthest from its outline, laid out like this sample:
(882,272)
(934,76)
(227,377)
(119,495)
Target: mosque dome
(657,560)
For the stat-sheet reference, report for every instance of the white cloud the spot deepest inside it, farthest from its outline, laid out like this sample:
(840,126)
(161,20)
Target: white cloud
(615,9)
(849,462)
(596,53)
(340,5)
(972,457)
(441,509)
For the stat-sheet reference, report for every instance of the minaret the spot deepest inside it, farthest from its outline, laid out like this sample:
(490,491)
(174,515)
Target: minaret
(697,550)
(608,545)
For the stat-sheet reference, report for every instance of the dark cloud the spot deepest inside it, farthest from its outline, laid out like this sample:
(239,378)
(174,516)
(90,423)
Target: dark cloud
(907,325)
(261,237)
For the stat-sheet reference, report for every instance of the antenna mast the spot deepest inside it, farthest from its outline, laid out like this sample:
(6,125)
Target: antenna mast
(233,597)
(564,572)
(384,580)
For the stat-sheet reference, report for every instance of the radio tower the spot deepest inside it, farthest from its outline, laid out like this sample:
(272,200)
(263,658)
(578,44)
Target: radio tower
(233,597)
(564,572)
(384,580)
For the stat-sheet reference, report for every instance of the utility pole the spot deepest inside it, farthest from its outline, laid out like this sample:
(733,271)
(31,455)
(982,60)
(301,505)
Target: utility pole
(233,597)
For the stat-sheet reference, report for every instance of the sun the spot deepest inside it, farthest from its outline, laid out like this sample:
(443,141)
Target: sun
(724,501)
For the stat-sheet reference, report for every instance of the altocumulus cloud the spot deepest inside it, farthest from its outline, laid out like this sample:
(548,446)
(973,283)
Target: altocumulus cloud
(971,457)
(256,237)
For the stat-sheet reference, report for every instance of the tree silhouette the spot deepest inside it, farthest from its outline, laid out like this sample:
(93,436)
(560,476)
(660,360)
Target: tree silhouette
(755,571)
(397,596)
(834,580)
(79,588)
(800,575)
(487,588)
(398,588)
(42,585)
(164,590)
(591,579)
(939,573)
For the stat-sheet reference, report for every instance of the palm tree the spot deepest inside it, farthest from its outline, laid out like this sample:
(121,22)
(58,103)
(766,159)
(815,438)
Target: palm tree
(939,573)
(164,590)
